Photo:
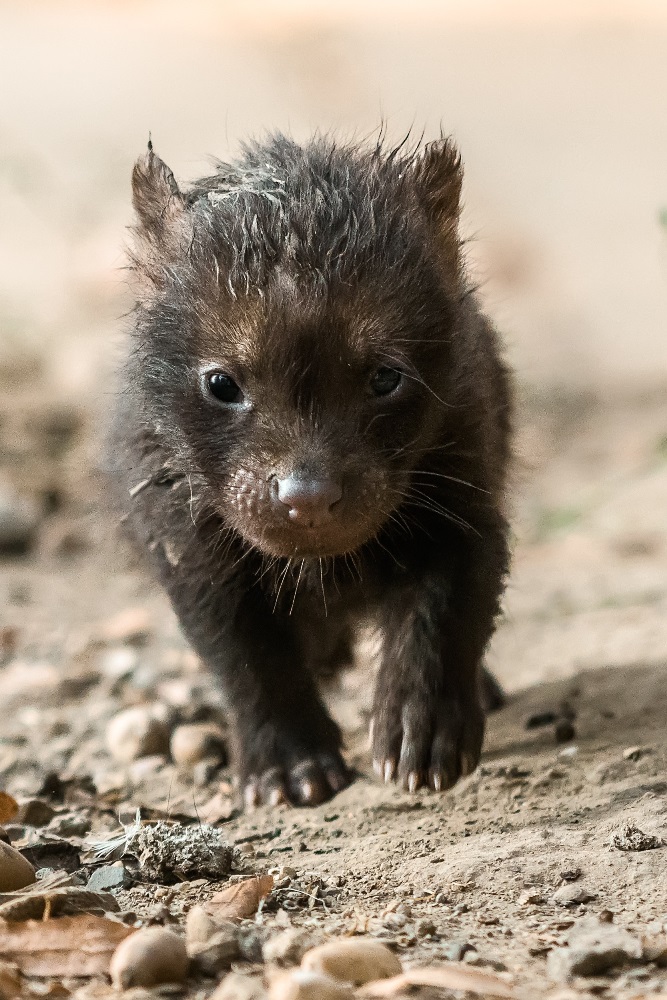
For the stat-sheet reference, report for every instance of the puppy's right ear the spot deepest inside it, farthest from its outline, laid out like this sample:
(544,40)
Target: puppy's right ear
(155,194)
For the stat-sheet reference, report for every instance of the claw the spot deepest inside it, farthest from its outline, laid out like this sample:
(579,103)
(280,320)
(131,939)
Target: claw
(436,781)
(389,771)
(468,764)
(413,781)
(276,796)
(251,796)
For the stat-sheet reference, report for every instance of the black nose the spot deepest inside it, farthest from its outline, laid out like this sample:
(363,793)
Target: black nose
(309,501)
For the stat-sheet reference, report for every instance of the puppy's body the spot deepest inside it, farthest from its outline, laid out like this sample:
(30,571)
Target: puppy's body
(315,431)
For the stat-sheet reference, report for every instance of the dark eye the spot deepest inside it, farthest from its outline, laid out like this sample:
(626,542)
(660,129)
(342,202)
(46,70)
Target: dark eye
(385,380)
(224,388)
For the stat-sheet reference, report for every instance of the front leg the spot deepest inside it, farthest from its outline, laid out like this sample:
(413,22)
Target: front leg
(428,720)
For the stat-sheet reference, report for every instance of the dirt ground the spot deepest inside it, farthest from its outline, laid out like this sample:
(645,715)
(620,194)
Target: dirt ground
(510,870)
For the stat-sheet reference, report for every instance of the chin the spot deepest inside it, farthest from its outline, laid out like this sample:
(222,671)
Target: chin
(307,544)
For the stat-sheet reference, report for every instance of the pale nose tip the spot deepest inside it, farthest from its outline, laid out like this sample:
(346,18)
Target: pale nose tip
(309,500)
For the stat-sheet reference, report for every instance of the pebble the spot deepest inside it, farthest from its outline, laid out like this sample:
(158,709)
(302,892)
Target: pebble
(304,984)
(592,949)
(425,928)
(357,961)
(69,824)
(149,957)
(199,927)
(132,626)
(20,518)
(35,812)
(137,732)
(195,742)
(15,871)
(217,954)
(572,894)
(236,986)
(110,877)
(531,897)
(287,948)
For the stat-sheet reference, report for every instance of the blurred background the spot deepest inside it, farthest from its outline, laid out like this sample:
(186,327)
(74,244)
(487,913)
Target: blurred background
(559,111)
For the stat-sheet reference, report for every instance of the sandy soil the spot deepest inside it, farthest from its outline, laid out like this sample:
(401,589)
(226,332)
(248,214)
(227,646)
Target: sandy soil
(478,873)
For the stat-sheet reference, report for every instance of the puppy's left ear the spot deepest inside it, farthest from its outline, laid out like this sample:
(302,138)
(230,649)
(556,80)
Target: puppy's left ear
(155,194)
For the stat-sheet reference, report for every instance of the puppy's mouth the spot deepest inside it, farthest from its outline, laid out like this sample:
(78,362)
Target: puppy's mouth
(306,542)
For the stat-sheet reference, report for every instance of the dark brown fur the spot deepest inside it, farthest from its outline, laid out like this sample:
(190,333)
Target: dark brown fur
(300,273)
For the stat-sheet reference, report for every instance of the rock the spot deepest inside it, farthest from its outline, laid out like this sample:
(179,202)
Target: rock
(239,987)
(137,732)
(454,951)
(199,927)
(287,948)
(69,824)
(425,928)
(630,838)
(564,731)
(531,897)
(20,517)
(655,950)
(572,894)
(592,949)
(196,742)
(15,871)
(149,957)
(352,960)
(35,812)
(110,877)
(304,984)
(165,850)
(217,954)
(52,852)
(132,626)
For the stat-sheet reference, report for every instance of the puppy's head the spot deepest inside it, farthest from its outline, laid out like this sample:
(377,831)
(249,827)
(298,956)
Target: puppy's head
(295,317)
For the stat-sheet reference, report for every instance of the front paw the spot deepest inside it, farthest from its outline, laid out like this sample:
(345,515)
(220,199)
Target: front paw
(274,768)
(426,740)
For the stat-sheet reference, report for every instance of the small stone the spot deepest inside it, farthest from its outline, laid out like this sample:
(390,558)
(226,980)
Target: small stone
(454,951)
(149,957)
(137,732)
(69,824)
(286,948)
(35,812)
(351,960)
(630,838)
(425,928)
(236,986)
(20,517)
(118,662)
(655,950)
(199,927)
(636,753)
(531,897)
(110,877)
(572,895)
(592,949)
(15,871)
(132,626)
(564,731)
(304,984)
(196,742)
(217,954)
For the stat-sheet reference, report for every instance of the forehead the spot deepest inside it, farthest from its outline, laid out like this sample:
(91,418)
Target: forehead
(299,323)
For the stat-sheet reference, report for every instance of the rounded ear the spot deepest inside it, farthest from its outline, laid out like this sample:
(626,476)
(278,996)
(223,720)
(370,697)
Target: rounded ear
(155,194)
(439,175)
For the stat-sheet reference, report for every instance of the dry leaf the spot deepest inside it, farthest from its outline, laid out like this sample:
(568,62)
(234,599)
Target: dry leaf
(240,900)
(447,976)
(68,946)
(9,807)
